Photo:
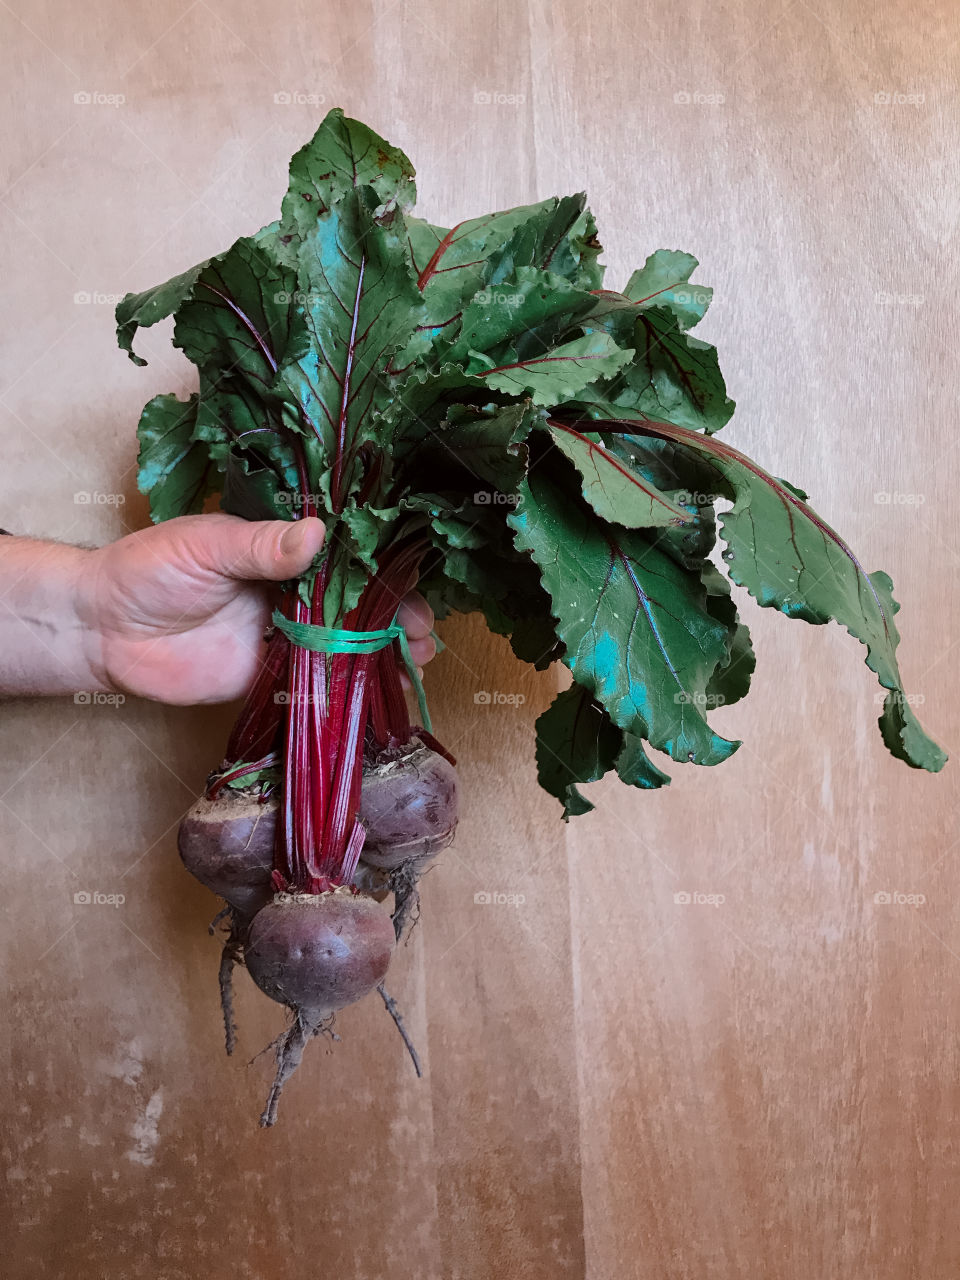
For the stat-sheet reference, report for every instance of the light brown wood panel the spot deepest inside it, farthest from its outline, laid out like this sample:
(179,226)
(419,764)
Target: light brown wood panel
(617,1084)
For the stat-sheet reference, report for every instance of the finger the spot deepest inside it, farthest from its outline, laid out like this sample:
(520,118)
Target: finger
(256,550)
(405,679)
(415,616)
(423,650)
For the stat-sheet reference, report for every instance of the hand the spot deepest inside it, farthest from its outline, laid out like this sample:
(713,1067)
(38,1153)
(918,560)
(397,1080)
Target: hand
(175,612)
(180,608)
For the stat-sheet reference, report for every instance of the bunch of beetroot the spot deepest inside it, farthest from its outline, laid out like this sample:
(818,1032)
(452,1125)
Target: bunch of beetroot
(469,408)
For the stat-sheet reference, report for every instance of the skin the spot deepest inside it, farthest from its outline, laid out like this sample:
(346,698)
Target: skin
(175,612)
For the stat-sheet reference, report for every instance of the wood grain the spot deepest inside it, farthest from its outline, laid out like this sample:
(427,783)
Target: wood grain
(617,1084)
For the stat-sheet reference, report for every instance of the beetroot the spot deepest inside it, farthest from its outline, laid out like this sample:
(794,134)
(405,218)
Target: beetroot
(408,806)
(315,953)
(319,952)
(227,844)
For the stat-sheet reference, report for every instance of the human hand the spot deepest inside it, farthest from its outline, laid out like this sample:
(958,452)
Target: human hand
(176,612)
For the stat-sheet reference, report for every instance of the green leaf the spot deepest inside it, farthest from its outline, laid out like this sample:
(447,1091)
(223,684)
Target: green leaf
(635,767)
(788,558)
(174,470)
(343,154)
(241,316)
(234,421)
(359,303)
(560,374)
(731,680)
(672,376)
(473,453)
(904,736)
(519,316)
(664,281)
(613,490)
(558,236)
(141,310)
(452,264)
(576,743)
(252,492)
(637,631)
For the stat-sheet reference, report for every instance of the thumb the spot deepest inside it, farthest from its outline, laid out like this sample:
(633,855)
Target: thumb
(262,550)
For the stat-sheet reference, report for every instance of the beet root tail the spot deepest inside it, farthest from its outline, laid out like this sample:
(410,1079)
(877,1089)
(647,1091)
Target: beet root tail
(290,1049)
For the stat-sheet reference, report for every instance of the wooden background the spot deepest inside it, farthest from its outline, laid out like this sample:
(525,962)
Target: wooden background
(617,1085)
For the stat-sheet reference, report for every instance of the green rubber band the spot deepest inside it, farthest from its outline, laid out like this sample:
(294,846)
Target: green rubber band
(307,635)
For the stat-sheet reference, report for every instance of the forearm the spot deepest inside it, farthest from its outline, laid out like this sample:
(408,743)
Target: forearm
(45,645)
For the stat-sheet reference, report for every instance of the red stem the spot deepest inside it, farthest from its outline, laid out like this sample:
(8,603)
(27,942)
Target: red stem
(327,715)
(258,724)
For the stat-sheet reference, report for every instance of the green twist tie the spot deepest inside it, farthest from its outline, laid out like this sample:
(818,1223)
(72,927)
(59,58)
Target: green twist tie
(306,635)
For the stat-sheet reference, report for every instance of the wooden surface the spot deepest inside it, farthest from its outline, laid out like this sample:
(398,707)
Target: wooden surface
(617,1085)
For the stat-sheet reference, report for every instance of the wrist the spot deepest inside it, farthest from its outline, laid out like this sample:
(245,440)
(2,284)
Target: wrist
(47,629)
(86,612)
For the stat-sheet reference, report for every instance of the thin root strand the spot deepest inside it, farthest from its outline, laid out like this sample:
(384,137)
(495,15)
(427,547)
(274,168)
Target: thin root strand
(397,1017)
(230,957)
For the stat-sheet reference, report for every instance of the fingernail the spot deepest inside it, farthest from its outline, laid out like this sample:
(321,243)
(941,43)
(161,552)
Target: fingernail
(291,540)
